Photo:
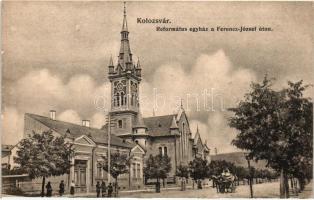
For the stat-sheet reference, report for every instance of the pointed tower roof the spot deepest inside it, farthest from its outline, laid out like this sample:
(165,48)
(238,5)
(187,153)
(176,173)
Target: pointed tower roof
(197,135)
(125,24)
(174,123)
(110,61)
(125,55)
(180,111)
(139,123)
(138,63)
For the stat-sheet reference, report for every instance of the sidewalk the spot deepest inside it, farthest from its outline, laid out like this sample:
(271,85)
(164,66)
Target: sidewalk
(126,192)
(307,192)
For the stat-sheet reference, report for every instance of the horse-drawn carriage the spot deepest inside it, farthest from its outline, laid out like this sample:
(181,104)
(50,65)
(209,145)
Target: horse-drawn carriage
(224,183)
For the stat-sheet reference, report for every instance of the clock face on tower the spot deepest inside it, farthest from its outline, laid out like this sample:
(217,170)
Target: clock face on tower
(119,87)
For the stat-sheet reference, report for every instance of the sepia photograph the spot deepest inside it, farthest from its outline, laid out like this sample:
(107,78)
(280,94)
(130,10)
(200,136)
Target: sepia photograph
(157,99)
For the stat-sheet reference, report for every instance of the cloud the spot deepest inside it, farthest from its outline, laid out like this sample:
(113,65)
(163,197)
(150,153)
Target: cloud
(213,73)
(224,84)
(82,98)
(40,90)
(12,126)
(98,120)
(70,116)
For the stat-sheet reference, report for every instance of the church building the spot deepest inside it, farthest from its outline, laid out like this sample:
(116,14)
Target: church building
(130,133)
(169,134)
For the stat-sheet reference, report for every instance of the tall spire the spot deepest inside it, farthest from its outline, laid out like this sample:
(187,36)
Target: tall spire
(125,55)
(125,24)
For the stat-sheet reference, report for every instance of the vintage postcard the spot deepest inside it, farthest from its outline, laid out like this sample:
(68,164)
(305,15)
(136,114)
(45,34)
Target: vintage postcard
(157,99)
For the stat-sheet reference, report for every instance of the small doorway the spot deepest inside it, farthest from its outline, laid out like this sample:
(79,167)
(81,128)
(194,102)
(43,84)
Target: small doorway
(80,167)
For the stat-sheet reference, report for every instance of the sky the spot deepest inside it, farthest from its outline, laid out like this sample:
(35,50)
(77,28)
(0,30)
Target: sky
(55,56)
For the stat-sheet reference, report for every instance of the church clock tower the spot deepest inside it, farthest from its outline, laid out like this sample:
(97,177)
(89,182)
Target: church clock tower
(125,78)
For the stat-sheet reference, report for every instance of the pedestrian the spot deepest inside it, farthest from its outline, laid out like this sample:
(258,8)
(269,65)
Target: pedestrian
(103,189)
(110,189)
(49,189)
(61,188)
(72,190)
(98,189)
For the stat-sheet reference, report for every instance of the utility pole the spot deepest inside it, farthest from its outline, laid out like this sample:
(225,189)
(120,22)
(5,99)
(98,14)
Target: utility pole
(109,129)
(111,123)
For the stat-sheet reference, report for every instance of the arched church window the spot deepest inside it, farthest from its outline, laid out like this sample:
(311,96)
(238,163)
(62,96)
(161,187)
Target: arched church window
(160,150)
(165,151)
(132,100)
(118,99)
(114,101)
(120,123)
(122,99)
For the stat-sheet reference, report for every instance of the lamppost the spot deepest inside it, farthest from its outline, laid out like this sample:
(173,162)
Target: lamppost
(250,174)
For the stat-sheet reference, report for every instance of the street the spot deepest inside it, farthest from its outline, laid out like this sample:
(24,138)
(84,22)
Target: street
(265,190)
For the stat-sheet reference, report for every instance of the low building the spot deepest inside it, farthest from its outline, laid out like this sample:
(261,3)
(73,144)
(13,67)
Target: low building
(90,147)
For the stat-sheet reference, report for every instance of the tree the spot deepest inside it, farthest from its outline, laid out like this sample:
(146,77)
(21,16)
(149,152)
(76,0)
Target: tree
(199,170)
(44,155)
(275,126)
(183,173)
(217,166)
(119,164)
(157,167)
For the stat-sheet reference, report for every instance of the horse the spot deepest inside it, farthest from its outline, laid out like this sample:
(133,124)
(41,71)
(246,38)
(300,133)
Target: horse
(224,183)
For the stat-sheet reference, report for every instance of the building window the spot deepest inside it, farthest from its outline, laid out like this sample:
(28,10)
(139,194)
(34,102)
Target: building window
(99,170)
(120,123)
(165,151)
(134,170)
(138,175)
(118,99)
(160,150)
(122,99)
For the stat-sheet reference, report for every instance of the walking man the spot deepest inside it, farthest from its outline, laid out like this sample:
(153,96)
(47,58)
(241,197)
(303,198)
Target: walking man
(103,189)
(98,189)
(49,189)
(110,189)
(61,188)
(72,190)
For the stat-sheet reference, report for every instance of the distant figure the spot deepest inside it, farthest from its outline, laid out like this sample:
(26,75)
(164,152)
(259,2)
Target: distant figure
(72,188)
(49,189)
(98,189)
(103,189)
(110,189)
(226,173)
(61,188)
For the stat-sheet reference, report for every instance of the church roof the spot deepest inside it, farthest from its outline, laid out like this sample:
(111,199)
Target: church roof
(73,131)
(159,125)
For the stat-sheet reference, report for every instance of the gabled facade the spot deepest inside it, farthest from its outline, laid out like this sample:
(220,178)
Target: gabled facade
(90,146)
